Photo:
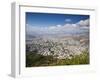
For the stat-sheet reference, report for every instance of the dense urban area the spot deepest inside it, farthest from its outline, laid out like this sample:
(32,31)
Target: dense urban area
(57,50)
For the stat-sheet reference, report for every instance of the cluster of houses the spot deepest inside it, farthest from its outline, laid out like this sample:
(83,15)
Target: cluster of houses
(58,49)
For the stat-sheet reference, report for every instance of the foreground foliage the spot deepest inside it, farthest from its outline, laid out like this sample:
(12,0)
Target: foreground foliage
(34,59)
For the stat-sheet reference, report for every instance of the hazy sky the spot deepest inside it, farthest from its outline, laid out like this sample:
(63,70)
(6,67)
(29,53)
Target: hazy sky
(47,23)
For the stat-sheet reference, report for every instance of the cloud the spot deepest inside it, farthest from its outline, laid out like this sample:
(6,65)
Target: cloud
(52,27)
(67,20)
(84,22)
(80,27)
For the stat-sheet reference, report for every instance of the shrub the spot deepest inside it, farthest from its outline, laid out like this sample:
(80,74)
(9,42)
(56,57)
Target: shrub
(34,59)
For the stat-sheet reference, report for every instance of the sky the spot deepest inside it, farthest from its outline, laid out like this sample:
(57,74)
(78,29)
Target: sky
(50,23)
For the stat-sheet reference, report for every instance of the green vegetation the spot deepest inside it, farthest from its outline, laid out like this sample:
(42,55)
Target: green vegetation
(75,60)
(34,59)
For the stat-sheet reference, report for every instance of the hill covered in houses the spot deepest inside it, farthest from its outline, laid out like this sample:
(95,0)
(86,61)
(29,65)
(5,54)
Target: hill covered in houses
(57,50)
